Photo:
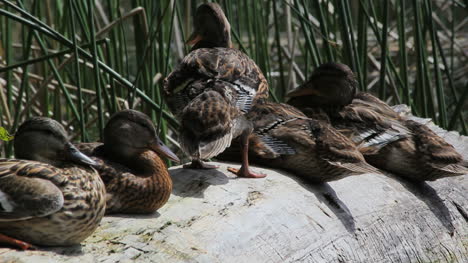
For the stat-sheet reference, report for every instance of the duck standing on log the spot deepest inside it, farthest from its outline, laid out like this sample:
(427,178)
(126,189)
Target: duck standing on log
(136,178)
(49,195)
(387,140)
(212,89)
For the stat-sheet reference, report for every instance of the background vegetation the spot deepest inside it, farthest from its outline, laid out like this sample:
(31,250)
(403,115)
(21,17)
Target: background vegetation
(80,61)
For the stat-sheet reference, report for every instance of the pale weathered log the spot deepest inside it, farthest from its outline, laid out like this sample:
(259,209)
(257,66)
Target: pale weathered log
(214,217)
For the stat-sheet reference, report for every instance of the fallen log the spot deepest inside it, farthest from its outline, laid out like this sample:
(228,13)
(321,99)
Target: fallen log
(213,216)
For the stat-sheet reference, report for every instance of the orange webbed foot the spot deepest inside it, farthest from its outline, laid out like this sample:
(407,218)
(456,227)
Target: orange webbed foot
(246,173)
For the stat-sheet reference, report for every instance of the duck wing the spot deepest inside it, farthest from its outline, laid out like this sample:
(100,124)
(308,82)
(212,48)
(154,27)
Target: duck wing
(207,125)
(29,189)
(370,101)
(337,149)
(205,65)
(432,147)
(368,128)
(270,121)
(298,135)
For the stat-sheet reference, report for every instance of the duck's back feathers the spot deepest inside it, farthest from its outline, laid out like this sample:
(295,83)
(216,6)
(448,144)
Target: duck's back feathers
(435,150)
(200,70)
(28,189)
(368,100)
(285,138)
(368,128)
(226,64)
(338,150)
(207,124)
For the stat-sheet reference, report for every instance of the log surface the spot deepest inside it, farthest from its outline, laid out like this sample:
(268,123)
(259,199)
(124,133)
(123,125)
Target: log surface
(214,217)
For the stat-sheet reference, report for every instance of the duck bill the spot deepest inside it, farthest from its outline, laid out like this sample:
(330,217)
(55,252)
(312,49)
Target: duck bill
(73,154)
(161,149)
(303,91)
(194,38)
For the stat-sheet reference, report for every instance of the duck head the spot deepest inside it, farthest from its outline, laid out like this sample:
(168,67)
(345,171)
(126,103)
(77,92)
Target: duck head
(45,140)
(331,84)
(128,133)
(211,28)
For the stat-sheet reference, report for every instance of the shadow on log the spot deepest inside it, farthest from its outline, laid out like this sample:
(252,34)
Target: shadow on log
(213,216)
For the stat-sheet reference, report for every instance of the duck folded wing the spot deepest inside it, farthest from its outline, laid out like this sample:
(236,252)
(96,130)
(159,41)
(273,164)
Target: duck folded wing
(193,75)
(370,129)
(337,149)
(26,191)
(368,100)
(433,147)
(207,124)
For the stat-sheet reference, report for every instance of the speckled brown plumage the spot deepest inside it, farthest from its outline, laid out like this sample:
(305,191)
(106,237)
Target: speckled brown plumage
(387,140)
(422,156)
(212,88)
(285,138)
(201,68)
(136,178)
(43,204)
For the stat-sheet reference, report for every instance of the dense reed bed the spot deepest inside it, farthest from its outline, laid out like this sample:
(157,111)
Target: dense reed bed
(80,61)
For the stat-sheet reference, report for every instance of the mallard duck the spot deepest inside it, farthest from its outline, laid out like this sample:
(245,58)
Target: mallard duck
(387,140)
(49,195)
(211,91)
(285,138)
(136,179)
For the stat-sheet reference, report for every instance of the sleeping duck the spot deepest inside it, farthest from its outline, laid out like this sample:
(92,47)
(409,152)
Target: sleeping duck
(136,178)
(211,91)
(387,140)
(285,138)
(49,195)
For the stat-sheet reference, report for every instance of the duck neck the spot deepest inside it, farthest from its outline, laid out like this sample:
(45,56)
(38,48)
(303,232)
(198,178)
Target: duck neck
(145,164)
(149,163)
(150,177)
(312,102)
(206,43)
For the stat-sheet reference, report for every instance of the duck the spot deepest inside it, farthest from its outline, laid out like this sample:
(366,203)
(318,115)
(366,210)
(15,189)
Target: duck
(388,140)
(129,162)
(212,89)
(287,139)
(49,195)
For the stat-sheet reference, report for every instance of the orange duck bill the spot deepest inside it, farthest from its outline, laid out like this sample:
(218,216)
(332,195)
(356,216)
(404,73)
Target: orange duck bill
(160,148)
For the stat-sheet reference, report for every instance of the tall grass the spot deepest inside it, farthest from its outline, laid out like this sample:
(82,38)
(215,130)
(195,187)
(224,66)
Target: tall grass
(80,61)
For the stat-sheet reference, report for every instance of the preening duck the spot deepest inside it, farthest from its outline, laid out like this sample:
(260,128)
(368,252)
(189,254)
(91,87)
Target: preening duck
(212,89)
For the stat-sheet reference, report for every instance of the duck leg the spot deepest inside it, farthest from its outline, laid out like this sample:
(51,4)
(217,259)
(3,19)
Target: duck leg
(15,242)
(199,164)
(244,170)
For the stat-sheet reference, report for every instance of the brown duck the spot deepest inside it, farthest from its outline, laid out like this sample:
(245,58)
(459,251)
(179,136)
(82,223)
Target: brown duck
(49,196)
(387,140)
(212,89)
(285,138)
(136,179)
